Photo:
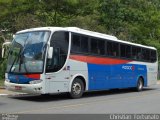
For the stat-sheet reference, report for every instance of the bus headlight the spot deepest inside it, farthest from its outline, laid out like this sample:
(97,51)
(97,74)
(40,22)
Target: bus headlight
(35,81)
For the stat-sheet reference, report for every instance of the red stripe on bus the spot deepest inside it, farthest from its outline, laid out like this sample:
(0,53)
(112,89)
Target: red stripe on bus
(98,60)
(33,76)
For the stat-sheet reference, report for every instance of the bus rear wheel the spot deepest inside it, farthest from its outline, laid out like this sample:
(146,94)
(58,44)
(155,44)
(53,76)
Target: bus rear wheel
(140,85)
(77,88)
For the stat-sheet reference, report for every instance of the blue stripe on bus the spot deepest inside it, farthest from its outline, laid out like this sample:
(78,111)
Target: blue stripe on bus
(23,79)
(103,77)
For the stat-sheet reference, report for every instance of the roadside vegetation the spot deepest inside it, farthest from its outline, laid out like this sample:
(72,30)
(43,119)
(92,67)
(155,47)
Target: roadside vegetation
(130,20)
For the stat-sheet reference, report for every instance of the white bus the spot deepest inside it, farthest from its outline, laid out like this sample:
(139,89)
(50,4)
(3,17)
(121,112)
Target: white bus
(55,59)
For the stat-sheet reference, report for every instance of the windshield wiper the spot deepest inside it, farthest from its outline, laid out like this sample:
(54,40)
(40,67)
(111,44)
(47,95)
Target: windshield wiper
(22,61)
(16,59)
(19,57)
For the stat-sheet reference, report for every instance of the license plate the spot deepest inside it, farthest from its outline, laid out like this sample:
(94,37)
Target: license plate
(18,88)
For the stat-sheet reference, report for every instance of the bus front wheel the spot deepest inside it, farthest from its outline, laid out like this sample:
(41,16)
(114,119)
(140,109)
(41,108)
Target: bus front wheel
(140,84)
(77,88)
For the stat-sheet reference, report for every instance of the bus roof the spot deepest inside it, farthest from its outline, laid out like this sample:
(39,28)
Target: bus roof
(85,32)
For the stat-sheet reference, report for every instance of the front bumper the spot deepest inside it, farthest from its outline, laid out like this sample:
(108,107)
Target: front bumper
(24,88)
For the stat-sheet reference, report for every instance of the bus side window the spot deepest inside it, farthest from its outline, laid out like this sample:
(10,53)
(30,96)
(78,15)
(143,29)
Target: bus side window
(75,43)
(137,53)
(114,53)
(139,56)
(101,47)
(109,48)
(56,57)
(59,42)
(125,51)
(146,54)
(153,56)
(134,53)
(94,46)
(112,49)
(84,44)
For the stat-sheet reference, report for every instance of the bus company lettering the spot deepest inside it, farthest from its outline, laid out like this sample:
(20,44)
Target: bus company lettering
(128,67)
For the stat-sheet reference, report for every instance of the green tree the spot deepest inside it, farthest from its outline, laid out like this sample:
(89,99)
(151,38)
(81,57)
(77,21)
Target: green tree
(131,20)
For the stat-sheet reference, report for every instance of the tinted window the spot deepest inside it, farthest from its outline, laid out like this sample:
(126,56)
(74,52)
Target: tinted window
(125,51)
(101,47)
(59,42)
(84,44)
(146,54)
(94,46)
(137,53)
(153,56)
(112,49)
(75,43)
(97,46)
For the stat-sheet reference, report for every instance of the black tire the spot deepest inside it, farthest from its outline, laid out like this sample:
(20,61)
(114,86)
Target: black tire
(77,88)
(140,85)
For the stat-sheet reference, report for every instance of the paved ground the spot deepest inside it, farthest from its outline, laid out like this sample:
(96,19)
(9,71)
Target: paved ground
(115,101)
(3,92)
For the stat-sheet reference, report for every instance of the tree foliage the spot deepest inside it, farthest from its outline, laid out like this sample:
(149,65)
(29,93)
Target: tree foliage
(131,20)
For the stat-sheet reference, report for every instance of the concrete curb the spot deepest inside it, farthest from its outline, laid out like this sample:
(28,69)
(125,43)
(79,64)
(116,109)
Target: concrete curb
(13,94)
(2,87)
(4,92)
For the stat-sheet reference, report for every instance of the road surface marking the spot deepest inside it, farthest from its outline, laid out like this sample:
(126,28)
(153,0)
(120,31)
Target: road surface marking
(3,94)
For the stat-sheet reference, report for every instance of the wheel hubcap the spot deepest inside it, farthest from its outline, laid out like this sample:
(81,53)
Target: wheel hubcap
(76,88)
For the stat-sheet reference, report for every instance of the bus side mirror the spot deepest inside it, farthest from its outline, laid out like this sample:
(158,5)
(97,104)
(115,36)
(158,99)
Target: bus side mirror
(50,52)
(3,52)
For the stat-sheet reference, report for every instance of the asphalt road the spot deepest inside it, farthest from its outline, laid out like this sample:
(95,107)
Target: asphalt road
(113,101)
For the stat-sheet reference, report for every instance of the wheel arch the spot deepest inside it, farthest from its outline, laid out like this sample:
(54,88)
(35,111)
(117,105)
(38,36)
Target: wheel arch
(143,79)
(80,76)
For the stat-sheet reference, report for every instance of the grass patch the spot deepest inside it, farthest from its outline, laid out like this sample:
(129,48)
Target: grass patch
(1,83)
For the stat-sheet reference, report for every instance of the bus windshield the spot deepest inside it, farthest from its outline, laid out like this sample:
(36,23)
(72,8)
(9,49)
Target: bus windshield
(26,54)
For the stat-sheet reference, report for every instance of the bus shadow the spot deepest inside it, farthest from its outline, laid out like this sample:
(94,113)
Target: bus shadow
(41,98)
(113,92)
(64,96)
